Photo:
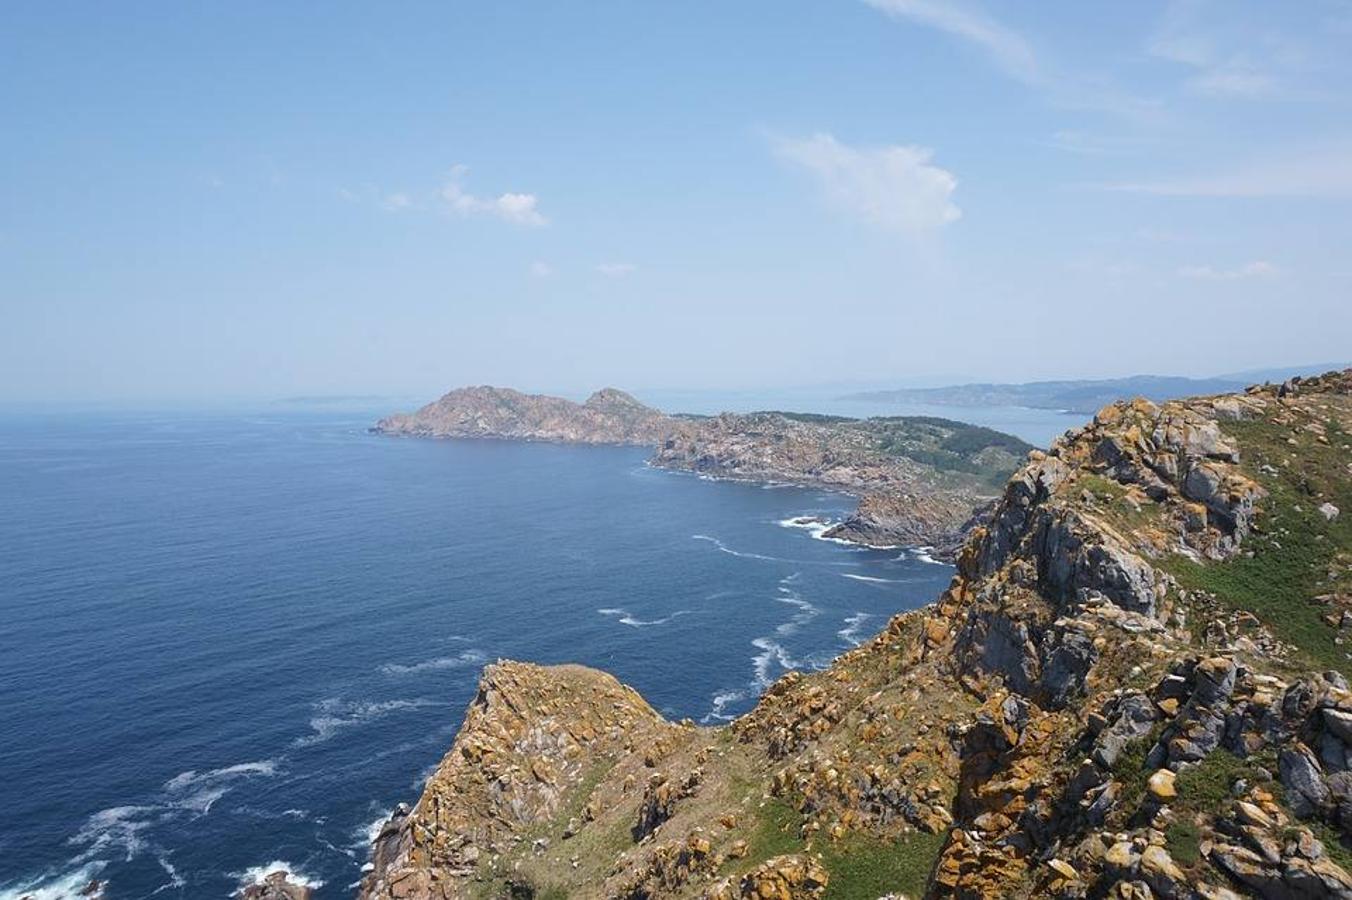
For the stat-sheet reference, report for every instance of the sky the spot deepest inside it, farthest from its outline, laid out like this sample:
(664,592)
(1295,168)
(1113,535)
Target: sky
(202,201)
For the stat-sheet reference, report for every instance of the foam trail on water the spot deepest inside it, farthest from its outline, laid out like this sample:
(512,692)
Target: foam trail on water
(62,886)
(175,880)
(459,661)
(335,714)
(627,618)
(853,624)
(720,703)
(870,579)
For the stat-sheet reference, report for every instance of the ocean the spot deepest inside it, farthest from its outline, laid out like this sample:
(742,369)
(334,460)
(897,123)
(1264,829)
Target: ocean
(230,642)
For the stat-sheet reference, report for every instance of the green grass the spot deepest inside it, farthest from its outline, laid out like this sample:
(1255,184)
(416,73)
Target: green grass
(860,866)
(863,868)
(1207,785)
(1333,843)
(1296,548)
(1130,771)
(776,833)
(1183,840)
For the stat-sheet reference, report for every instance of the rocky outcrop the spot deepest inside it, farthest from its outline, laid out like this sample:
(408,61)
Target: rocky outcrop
(276,886)
(531,735)
(921,480)
(1089,710)
(608,416)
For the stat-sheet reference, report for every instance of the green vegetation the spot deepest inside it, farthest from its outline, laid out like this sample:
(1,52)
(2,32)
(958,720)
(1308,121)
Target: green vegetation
(952,446)
(1208,784)
(1130,771)
(776,833)
(1183,840)
(1297,553)
(860,866)
(863,868)
(1332,841)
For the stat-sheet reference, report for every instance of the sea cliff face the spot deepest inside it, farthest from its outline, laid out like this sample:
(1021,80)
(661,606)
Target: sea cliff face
(1134,687)
(922,481)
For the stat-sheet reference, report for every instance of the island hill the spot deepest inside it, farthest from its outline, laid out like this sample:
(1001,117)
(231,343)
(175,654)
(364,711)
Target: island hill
(920,481)
(1135,687)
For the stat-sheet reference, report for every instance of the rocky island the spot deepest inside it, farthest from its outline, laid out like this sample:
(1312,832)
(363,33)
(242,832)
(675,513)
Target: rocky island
(1134,687)
(921,481)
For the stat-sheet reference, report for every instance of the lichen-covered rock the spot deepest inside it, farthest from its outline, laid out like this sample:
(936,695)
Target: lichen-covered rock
(1068,718)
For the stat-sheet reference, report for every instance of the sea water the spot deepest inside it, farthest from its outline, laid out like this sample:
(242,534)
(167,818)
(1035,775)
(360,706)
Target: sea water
(230,643)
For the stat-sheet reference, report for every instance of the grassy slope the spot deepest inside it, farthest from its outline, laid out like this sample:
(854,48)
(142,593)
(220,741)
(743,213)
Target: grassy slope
(1297,554)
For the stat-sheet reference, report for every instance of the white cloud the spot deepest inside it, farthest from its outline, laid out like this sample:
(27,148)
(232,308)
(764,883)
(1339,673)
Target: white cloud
(519,209)
(616,269)
(396,202)
(1005,46)
(895,187)
(1256,269)
(541,269)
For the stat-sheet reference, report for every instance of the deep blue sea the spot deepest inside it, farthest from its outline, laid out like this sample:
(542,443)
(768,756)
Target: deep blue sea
(230,641)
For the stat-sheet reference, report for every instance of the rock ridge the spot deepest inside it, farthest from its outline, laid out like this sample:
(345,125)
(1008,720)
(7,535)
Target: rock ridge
(1134,687)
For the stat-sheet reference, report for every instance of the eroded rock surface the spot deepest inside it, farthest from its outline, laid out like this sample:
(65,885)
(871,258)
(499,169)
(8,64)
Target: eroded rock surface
(1101,705)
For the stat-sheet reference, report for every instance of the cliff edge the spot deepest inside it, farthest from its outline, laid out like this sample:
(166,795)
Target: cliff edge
(1134,687)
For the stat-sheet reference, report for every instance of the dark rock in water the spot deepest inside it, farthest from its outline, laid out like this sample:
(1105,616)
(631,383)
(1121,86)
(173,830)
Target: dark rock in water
(276,886)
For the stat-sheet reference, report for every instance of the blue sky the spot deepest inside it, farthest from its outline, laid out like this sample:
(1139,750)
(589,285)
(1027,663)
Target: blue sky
(252,200)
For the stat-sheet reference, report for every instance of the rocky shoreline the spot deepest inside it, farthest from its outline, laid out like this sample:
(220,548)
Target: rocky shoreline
(920,481)
(1101,705)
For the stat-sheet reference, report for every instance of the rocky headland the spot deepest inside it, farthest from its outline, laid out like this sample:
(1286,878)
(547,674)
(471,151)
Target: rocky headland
(608,416)
(921,481)
(1134,687)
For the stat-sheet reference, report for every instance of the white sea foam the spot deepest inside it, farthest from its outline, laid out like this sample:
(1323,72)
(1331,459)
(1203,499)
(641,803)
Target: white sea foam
(115,830)
(817,527)
(771,652)
(186,779)
(873,580)
(853,624)
(923,555)
(627,618)
(175,880)
(726,549)
(258,874)
(62,886)
(459,661)
(720,703)
(336,714)
(365,835)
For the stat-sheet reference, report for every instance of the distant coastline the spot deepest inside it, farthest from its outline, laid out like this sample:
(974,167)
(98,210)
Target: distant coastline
(921,481)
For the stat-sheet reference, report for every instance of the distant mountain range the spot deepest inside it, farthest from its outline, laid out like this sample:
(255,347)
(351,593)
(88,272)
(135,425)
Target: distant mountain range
(1086,396)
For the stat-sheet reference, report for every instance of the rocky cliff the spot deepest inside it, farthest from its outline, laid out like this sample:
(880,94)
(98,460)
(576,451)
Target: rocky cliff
(920,480)
(1134,687)
(608,416)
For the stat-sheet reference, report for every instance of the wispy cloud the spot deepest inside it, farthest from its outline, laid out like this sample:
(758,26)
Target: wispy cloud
(1006,47)
(1323,171)
(1256,269)
(616,269)
(894,187)
(1012,53)
(1226,55)
(519,209)
(1214,73)
(541,269)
